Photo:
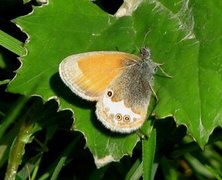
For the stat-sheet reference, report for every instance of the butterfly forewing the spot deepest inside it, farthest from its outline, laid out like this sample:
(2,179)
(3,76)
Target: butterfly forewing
(89,74)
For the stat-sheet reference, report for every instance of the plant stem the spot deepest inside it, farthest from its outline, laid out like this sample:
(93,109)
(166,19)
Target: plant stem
(18,146)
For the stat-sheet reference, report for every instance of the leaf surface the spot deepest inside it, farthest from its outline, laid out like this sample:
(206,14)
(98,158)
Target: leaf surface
(173,31)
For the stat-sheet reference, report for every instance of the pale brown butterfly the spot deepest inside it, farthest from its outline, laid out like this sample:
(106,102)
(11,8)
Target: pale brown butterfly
(121,83)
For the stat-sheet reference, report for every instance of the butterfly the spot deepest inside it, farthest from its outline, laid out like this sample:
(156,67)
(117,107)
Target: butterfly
(120,82)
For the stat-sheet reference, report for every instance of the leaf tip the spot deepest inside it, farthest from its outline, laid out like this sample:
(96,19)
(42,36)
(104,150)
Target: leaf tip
(103,161)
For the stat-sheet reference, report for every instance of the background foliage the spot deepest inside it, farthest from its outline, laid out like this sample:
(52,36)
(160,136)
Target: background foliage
(39,139)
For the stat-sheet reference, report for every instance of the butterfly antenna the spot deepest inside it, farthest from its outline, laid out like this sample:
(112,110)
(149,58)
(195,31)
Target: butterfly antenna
(144,39)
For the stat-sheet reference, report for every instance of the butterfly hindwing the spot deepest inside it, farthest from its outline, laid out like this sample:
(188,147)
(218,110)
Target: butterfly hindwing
(123,106)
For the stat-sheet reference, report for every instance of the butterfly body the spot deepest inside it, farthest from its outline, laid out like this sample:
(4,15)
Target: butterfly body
(118,81)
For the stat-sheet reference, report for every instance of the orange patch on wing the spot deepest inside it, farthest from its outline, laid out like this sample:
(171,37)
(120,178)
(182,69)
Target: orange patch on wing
(98,70)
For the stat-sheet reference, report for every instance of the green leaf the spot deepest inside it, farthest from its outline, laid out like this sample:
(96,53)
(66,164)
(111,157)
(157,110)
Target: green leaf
(135,171)
(48,46)
(149,148)
(11,44)
(195,91)
(184,35)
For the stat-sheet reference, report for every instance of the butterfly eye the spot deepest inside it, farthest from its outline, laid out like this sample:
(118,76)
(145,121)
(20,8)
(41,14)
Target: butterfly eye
(109,93)
(145,53)
(155,69)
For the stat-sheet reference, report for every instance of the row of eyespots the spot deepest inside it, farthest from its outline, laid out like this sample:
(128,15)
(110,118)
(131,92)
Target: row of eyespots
(118,116)
(125,118)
